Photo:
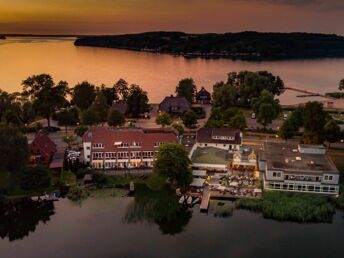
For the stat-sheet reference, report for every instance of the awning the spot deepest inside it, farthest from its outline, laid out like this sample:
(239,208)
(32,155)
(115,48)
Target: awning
(197,182)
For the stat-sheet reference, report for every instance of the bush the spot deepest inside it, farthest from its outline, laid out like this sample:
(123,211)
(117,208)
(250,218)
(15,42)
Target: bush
(77,193)
(36,178)
(80,130)
(67,178)
(249,204)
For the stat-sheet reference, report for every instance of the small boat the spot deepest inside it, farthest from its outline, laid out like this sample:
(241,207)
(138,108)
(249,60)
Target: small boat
(189,200)
(196,201)
(182,200)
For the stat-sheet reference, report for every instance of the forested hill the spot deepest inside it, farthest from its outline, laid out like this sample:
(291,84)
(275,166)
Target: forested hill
(2,37)
(243,45)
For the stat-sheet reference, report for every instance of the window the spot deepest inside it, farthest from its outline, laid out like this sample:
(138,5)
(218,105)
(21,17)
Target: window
(136,145)
(110,155)
(328,178)
(97,155)
(276,174)
(158,144)
(123,155)
(88,147)
(98,145)
(124,145)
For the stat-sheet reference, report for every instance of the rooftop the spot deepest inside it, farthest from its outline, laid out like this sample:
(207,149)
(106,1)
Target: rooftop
(210,155)
(218,135)
(286,157)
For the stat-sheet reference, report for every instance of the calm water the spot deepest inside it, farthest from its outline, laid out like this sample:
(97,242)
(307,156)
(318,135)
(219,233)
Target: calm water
(99,228)
(157,74)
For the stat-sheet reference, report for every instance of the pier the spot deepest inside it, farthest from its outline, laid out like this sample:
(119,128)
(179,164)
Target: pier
(307,93)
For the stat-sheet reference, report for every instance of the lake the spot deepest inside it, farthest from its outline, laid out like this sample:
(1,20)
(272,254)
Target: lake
(158,74)
(100,227)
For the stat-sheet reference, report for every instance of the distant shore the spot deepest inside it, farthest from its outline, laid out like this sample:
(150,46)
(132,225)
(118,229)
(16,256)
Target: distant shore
(243,45)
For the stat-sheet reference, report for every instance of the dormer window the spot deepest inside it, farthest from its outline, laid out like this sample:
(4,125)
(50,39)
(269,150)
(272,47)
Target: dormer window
(222,138)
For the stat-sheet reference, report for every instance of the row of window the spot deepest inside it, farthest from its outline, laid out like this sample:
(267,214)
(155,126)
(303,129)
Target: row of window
(302,188)
(302,178)
(125,145)
(123,155)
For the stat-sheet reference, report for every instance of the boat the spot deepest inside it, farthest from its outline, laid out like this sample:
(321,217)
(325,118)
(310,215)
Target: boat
(196,201)
(189,200)
(182,200)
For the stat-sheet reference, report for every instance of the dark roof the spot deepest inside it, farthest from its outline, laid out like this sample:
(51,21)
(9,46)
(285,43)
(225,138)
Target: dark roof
(175,105)
(120,105)
(286,157)
(218,135)
(45,145)
(203,94)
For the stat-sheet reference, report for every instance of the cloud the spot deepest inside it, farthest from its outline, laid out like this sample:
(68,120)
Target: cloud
(311,4)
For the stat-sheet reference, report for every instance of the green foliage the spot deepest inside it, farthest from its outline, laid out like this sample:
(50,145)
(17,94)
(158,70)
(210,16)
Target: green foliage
(67,178)
(332,131)
(77,193)
(224,96)
(80,130)
(137,101)
(115,118)
(110,94)
(238,121)
(187,88)
(178,128)
(287,206)
(341,84)
(296,117)
(314,122)
(89,117)
(164,119)
(14,150)
(336,95)
(232,117)
(83,95)
(189,119)
(266,107)
(68,117)
(100,107)
(173,162)
(46,96)
(156,181)
(36,178)
(287,130)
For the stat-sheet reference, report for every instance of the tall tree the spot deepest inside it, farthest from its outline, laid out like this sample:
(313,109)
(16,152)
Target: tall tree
(36,178)
(173,162)
(238,121)
(47,96)
(122,88)
(224,96)
(115,118)
(137,101)
(189,119)
(100,107)
(83,95)
(187,88)
(109,93)
(287,130)
(314,122)
(266,107)
(68,117)
(332,131)
(89,117)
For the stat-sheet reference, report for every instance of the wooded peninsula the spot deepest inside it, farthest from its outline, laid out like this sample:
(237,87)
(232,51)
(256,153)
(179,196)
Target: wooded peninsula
(243,45)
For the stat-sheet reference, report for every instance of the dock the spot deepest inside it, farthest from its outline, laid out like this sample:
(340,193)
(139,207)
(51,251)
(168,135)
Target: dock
(205,200)
(307,93)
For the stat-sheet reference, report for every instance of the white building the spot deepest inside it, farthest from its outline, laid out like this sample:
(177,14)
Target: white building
(298,168)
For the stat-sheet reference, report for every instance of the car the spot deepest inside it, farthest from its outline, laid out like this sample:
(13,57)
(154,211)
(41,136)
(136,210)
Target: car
(253,116)
(285,116)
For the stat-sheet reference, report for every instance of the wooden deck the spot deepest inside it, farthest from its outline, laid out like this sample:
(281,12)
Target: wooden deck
(205,200)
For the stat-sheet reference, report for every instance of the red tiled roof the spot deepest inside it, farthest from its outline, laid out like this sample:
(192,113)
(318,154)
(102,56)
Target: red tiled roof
(147,137)
(44,144)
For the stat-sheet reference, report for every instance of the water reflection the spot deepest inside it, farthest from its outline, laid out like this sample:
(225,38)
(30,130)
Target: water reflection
(18,219)
(159,207)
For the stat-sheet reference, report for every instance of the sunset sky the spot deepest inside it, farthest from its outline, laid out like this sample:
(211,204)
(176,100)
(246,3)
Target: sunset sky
(127,16)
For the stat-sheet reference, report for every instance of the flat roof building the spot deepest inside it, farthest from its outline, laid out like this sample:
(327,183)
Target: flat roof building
(298,168)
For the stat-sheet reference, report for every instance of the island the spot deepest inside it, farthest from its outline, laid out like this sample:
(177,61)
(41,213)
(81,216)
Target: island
(243,45)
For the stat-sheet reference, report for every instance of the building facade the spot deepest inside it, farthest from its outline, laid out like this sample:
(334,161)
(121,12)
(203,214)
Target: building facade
(203,96)
(175,105)
(106,148)
(298,168)
(42,149)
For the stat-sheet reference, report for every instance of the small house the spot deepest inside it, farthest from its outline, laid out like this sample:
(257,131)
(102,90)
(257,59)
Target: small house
(203,96)
(42,149)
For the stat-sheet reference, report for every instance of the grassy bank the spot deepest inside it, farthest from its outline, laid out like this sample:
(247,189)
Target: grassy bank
(286,206)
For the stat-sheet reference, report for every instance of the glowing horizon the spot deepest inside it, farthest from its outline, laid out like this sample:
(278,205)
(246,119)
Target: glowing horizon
(130,16)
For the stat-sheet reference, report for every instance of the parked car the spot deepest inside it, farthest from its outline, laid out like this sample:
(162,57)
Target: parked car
(253,116)
(285,116)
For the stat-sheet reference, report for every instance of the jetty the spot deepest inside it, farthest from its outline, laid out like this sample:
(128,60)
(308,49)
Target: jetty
(205,200)
(307,93)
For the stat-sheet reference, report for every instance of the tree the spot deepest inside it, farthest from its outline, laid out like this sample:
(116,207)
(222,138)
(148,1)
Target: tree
(287,130)
(36,178)
(69,140)
(186,88)
(115,118)
(224,96)
(89,117)
(314,122)
(296,117)
(238,121)
(189,119)
(173,163)
(122,88)
(137,101)
(67,178)
(80,130)
(109,93)
(68,117)
(332,131)
(14,150)
(83,95)
(341,84)
(266,107)
(46,96)
(164,119)
(100,107)
(178,128)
